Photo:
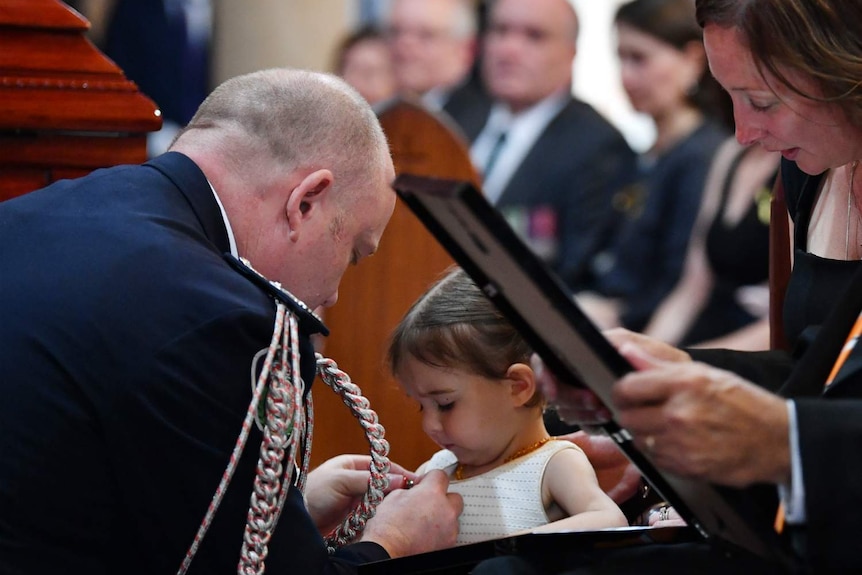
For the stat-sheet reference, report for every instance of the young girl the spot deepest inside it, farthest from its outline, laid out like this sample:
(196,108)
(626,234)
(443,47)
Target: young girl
(469,370)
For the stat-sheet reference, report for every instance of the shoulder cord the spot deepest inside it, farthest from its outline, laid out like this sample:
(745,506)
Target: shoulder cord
(284,415)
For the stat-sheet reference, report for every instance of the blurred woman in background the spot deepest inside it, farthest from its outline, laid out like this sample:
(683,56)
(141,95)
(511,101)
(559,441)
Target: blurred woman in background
(665,76)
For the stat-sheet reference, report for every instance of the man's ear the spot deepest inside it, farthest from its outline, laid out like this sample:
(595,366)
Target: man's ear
(522,380)
(304,200)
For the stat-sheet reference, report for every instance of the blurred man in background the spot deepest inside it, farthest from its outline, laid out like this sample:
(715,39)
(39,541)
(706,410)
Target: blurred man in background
(551,163)
(434,46)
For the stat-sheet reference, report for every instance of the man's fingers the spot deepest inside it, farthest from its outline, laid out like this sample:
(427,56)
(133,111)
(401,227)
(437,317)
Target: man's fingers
(633,391)
(640,358)
(456,501)
(435,479)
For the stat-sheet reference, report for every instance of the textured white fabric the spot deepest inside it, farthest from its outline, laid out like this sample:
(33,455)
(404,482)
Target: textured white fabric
(504,500)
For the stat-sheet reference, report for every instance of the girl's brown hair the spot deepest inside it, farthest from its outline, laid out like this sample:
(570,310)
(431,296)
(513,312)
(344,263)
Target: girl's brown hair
(454,325)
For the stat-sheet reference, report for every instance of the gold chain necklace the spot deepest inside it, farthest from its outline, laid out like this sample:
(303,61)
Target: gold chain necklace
(851,200)
(459,471)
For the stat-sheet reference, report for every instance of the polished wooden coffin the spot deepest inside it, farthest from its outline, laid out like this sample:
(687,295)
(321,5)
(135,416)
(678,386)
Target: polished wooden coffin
(65,108)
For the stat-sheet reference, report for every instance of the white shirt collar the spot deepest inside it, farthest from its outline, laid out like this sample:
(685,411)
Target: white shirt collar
(522,131)
(230,237)
(435,98)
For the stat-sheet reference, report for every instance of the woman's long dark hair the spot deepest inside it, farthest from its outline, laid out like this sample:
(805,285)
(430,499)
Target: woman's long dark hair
(674,23)
(819,39)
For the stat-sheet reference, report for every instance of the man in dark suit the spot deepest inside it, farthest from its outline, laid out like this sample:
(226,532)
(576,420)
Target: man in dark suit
(433,48)
(551,163)
(132,337)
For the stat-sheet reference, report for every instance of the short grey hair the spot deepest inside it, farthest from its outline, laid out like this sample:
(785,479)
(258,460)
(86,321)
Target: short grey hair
(290,118)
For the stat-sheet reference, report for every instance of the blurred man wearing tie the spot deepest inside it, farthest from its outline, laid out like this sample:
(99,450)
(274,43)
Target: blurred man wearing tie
(551,163)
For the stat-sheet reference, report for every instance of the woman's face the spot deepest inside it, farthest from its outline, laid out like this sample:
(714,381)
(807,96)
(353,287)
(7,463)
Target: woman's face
(368,68)
(655,75)
(815,135)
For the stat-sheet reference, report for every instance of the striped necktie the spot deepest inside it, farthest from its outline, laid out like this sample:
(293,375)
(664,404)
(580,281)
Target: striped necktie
(495,153)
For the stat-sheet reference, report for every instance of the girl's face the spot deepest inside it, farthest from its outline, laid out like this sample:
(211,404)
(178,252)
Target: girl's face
(815,135)
(655,75)
(467,414)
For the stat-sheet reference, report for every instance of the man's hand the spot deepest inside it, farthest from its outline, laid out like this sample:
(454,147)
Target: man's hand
(699,421)
(654,347)
(580,405)
(417,520)
(336,487)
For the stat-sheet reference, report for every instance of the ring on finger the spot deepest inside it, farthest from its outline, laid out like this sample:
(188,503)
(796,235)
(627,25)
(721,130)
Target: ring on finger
(664,513)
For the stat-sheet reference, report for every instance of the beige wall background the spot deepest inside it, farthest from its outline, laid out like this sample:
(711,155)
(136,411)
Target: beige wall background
(260,34)
(255,34)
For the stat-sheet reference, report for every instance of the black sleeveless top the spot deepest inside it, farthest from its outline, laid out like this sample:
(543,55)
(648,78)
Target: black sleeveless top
(738,256)
(815,283)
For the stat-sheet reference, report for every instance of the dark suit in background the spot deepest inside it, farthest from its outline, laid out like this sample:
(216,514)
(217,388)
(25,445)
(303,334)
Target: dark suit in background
(658,209)
(469,105)
(560,198)
(149,40)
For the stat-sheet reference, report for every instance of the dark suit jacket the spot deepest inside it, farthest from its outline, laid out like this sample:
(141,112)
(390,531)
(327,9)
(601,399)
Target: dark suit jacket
(574,168)
(830,435)
(125,372)
(830,430)
(469,105)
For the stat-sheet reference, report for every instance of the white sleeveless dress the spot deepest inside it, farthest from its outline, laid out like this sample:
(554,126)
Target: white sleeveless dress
(506,499)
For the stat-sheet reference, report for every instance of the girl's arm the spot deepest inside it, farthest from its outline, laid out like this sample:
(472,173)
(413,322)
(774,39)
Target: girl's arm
(571,484)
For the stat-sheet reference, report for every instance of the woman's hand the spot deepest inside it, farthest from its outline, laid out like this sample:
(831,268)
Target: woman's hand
(652,346)
(574,405)
(663,515)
